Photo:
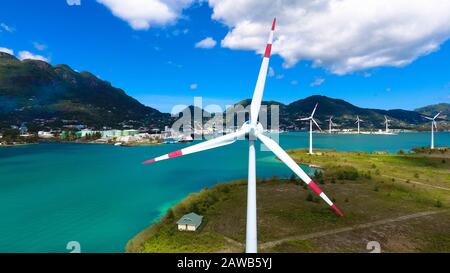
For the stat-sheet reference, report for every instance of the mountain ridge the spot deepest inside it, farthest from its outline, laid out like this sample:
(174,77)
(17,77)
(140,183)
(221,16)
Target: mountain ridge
(33,90)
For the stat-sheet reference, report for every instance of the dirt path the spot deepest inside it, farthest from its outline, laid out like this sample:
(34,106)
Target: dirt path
(345,229)
(418,183)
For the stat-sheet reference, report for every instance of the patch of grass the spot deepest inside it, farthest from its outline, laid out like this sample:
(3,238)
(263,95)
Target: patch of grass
(438,242)
(295,246)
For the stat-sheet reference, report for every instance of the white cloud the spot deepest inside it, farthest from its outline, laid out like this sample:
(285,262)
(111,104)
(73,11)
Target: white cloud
(317,82)
(40,46)
(7,50)
(193,86)
(271,72)
(341,35)
(279,77)
(6,28)
(294,82)
(141,14)
(73,2)
(206,43)
(24,55)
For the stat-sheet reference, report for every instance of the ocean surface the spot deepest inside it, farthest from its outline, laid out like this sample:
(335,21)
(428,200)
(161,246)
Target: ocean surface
(101,195)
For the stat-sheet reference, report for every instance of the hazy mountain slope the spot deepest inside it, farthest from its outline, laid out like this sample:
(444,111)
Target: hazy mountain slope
(32,89)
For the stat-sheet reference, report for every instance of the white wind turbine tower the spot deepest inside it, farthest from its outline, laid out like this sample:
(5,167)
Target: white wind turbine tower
(433,126)
(253,130)
(358,121)
(386,122)
(330,124)
(311,120)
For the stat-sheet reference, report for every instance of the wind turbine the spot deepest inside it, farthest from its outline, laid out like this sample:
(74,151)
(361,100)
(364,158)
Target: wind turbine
(331,123)
(253,130)
(311,120)
(433,126)
(386,121)
(358,120)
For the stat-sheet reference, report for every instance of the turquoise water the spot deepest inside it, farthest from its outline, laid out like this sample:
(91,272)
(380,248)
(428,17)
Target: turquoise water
(101,195)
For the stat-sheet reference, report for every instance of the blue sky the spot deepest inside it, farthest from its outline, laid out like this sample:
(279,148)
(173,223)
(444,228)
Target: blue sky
(161,66)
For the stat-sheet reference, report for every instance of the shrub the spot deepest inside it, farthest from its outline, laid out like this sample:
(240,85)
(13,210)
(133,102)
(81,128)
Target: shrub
(293,178)
(310,197)
(416,175)
(344,173)
(438,204)
(225,189)
(169,214)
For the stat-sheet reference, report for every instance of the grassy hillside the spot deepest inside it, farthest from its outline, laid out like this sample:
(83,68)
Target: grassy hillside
(432,110)
(375,192)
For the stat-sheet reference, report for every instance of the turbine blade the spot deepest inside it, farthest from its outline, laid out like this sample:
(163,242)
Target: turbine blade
(435,124)
(259,88)
(317,124)
(314,111)
(206,145)
(283,156)
(427,117)
(305,119)
(437,115)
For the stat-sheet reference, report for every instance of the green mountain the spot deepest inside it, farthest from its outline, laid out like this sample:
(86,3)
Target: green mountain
(344,114)
(49,96)
(432,110)
(32,90)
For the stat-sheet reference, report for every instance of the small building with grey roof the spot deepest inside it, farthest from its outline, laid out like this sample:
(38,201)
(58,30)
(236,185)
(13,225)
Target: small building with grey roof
(189,222)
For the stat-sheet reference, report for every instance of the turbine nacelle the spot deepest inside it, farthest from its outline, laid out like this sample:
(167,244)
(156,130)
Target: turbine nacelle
(251,129)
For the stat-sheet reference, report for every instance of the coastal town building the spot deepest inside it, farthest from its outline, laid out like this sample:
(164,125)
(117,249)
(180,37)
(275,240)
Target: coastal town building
(45,135)
(190,222)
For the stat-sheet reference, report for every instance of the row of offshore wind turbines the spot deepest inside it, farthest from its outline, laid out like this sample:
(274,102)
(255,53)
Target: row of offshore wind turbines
(358,122)
(252,130)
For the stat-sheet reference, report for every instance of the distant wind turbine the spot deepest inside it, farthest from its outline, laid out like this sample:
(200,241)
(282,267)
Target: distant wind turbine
(386,121)
(331,124)
(433,126)
(252,130)
(358,121)
(311,120)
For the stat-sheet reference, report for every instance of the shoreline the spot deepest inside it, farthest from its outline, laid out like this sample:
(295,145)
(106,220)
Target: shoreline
(18,145)
(162,235)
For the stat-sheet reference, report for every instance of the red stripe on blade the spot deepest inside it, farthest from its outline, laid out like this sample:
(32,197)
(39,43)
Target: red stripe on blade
(315,188)
(175,154)
(268,50)
(149,161)
(274,23)
(338,211)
